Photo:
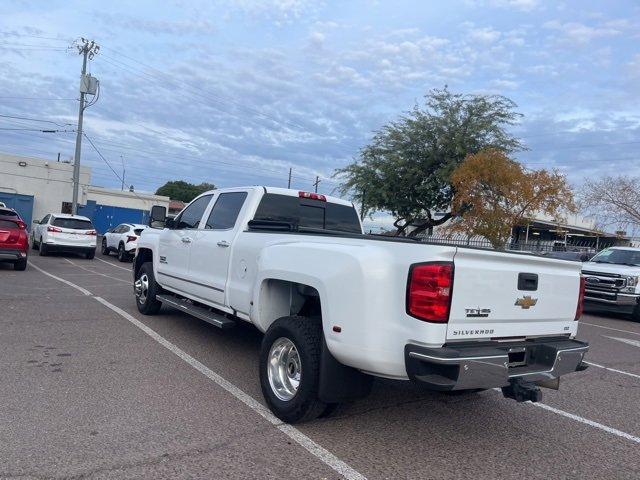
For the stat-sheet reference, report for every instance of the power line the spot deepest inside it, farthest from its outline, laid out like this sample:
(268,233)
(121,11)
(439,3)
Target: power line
(36,120)
(37,98)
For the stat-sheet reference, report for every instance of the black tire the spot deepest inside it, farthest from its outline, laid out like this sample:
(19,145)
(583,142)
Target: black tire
(34,244)
(90,255)
(635,316)
(103,247)
(20,265)
(43,248)
(149,305)
(306,335)
(123,256)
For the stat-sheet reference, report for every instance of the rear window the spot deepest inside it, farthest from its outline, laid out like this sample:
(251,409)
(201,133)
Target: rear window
(5,212)
(138,231)
(74,223)
(302,212)
(8,224)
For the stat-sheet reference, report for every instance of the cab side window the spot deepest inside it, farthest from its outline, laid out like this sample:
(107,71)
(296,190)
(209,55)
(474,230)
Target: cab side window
(191,216)
(225,212)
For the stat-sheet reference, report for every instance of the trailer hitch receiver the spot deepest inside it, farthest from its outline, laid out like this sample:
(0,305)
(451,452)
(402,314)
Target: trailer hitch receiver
(522,391)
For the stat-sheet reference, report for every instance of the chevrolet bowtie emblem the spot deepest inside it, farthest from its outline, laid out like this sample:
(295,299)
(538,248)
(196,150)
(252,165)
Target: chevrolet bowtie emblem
(526,302)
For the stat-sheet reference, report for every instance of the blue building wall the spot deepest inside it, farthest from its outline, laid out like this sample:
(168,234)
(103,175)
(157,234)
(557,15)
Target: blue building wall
(23,204)
(105,217)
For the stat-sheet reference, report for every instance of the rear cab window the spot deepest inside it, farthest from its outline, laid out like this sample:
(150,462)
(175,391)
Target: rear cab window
(304,212)
(73,223)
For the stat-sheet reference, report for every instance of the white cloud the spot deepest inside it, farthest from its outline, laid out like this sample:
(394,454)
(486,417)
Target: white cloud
(579,33)
(484,35)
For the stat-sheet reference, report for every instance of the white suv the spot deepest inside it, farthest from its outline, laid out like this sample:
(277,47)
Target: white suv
(122,239)
(64,233)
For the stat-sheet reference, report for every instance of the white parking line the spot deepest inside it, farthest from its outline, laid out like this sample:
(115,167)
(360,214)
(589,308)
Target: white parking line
(586,421)
(293,433)
(114,266)
(83,290)
(98,273)
(612,369)
(610,328)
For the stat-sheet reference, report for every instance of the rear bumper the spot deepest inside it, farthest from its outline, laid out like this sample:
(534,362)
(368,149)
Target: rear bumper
(485,365)
(56,247)
(9,254)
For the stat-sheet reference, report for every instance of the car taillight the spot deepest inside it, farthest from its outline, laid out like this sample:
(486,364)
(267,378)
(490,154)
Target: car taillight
(131,239)
(312,196)
(92,232)
(580,306)
(54,229)
(21,225)
(429,291)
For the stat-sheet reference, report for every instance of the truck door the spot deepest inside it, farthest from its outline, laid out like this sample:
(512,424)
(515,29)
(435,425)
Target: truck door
(175,246)
(211,248)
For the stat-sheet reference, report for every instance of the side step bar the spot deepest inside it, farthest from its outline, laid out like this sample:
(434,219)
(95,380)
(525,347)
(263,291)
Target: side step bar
(215,319)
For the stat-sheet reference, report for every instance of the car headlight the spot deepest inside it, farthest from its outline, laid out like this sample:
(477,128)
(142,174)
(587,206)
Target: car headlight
(632,281)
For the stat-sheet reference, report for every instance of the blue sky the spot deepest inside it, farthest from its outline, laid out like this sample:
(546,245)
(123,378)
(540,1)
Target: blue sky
(236,92)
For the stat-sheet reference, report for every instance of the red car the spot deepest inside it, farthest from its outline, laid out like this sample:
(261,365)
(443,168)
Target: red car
(14,241)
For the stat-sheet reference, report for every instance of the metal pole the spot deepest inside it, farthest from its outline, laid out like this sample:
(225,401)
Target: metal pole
(316,183)
(289,183)
(76,163)
(123,172)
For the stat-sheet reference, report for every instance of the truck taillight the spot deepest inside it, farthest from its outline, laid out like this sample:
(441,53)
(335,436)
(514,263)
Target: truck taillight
(580,306)
(312,196)
(54,229)
(429,291)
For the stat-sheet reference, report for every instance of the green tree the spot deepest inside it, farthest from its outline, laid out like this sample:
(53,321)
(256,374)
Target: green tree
(181,190)
(406,168)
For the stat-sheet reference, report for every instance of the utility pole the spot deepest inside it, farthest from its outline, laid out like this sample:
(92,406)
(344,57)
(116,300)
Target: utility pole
(123,172)
(289,184)
(315,184)
(87,49)
(364,192)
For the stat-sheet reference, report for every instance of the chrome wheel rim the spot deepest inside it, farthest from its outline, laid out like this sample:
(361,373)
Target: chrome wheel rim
(141,287)
(284,369)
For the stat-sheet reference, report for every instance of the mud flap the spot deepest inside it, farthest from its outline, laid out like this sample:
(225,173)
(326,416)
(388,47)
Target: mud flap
(339,383)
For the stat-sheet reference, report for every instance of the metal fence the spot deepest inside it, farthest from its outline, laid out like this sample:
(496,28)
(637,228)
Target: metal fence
(541,247)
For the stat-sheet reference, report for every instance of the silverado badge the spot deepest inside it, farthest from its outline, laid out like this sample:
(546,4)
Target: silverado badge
(526,302)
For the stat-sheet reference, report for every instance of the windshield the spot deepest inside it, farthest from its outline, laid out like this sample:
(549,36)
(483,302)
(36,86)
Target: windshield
(620,257)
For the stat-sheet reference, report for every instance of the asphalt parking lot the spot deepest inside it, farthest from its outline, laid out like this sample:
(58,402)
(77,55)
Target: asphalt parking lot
(93,389)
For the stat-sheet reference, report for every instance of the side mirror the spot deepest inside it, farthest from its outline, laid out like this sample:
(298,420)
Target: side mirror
(170,223)
(36,222)
(158,215)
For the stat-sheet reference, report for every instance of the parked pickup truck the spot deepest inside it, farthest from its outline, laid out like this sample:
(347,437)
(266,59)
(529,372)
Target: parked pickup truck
(338,307)
(612,281)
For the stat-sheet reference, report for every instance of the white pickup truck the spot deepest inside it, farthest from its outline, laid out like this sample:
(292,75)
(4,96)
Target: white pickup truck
(338,307)
(613,281)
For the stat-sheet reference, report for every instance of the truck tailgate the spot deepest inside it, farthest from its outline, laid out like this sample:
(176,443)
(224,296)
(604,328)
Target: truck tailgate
(499,295)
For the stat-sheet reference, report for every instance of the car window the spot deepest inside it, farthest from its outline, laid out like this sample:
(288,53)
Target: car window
(74,223)
(5,212)
(301,212)
(191,216)
(225,212)
(45,219)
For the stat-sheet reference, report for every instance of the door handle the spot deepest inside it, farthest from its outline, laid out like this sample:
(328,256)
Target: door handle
(186,240)
(223,243)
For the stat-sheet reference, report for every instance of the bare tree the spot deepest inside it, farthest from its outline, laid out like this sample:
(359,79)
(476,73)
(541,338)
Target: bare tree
(612,201)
